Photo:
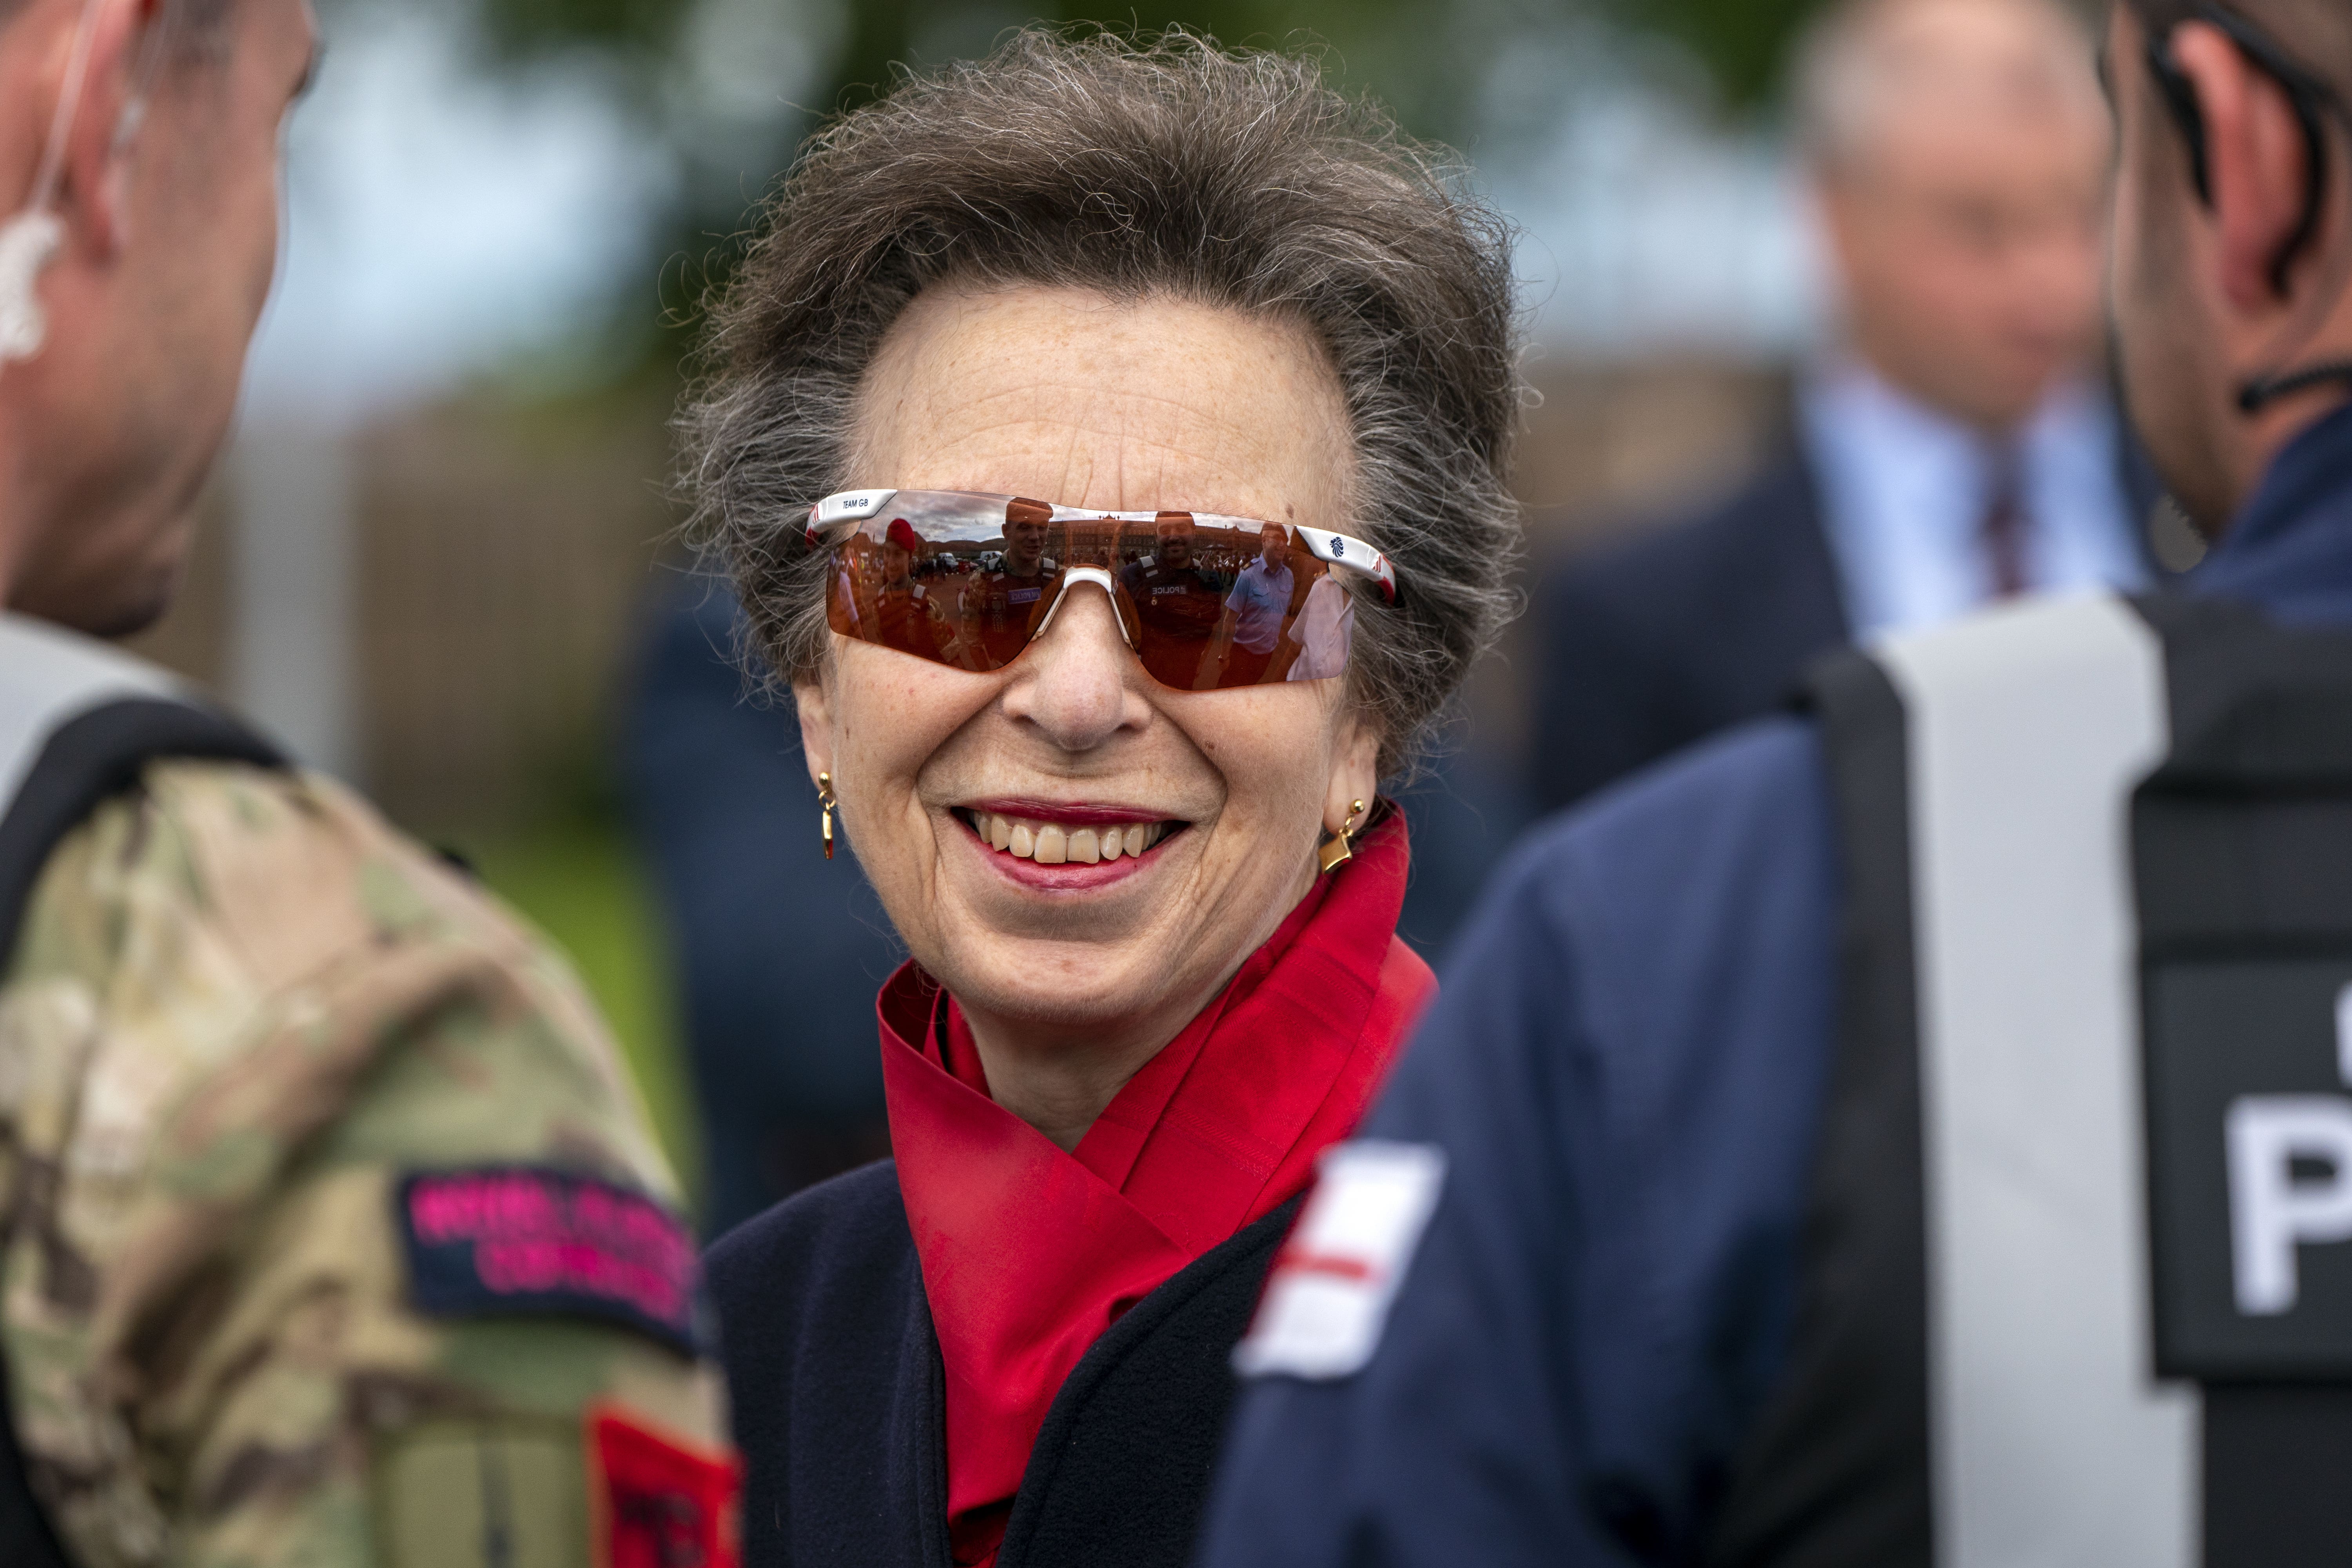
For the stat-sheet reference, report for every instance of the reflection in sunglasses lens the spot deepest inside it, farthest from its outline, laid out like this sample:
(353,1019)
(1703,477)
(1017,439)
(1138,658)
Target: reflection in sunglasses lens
(1206,607)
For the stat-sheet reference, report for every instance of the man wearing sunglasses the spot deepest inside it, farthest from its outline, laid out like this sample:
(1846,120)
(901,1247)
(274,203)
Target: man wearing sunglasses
(1919,1130)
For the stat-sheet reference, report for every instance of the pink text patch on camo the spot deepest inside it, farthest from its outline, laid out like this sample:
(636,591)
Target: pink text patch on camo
(523,1239)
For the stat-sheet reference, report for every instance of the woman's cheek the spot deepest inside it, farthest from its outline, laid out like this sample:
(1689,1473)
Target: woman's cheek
(1277,754)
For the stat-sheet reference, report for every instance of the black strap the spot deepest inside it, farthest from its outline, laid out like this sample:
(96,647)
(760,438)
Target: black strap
(26,1540)
(2241,846)
(90,758)
(1835,1473)
(95,755)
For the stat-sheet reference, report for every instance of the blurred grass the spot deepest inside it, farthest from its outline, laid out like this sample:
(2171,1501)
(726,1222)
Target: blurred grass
(576,877)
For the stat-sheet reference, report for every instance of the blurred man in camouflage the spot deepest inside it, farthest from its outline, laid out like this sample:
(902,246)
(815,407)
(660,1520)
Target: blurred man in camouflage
(331,1230)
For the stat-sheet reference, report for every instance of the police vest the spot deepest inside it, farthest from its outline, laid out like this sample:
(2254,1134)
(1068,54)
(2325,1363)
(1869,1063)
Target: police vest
(2078,1265)
(78,723)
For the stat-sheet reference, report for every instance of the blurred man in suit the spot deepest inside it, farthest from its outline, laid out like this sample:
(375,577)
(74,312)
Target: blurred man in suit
(777,953)
(1955,448)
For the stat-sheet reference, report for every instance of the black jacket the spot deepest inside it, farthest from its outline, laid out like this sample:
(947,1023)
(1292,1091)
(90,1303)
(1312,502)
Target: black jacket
(1652,644)
(1708,621)
(834,1373)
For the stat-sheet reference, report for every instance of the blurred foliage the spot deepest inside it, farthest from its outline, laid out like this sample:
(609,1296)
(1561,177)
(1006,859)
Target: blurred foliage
(1394,33)
(1429,61)
(1743,44)
(520,29)
(1420,54)
(575,876)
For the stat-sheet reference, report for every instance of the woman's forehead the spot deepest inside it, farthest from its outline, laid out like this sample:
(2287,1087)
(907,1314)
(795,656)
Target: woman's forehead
(1072,397)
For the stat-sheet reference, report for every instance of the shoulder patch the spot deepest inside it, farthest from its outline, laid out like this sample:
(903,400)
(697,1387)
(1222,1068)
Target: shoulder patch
(1327,1295)
(655,1501)
(525,1239)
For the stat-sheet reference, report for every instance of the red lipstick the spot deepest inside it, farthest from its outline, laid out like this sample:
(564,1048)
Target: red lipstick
(1072,814)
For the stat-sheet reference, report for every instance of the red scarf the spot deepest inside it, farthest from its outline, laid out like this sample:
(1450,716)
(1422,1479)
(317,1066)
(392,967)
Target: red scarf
(1029,1253)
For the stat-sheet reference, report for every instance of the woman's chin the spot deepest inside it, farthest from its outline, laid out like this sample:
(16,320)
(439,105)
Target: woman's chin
(1063,944)
(1100,977)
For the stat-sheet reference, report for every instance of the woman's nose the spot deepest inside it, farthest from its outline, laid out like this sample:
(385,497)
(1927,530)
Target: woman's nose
(1073,682)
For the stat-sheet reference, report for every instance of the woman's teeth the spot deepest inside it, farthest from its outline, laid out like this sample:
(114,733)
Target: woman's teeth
(1051,844)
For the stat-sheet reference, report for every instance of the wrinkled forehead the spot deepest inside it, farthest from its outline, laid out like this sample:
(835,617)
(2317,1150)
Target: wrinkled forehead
(1156,403)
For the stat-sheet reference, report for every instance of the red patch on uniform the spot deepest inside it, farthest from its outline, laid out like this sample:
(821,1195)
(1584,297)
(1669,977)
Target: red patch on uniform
(656,1501)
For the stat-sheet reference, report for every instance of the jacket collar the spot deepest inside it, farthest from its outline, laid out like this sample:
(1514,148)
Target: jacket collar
(2289,551)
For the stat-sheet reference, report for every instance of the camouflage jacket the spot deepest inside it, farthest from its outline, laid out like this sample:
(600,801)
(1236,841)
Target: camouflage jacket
(299,1263)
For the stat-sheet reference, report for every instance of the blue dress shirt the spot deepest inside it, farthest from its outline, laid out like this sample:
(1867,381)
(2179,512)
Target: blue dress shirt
(1260,599)
(1905,493)
(1626,1068)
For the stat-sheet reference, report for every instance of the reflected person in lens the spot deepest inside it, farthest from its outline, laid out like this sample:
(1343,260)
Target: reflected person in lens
(999,607)
(1252,641)
(1150,904)
(1177,602)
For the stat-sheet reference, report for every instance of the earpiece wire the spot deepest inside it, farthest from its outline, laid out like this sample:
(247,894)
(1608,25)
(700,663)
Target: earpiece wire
(53,158)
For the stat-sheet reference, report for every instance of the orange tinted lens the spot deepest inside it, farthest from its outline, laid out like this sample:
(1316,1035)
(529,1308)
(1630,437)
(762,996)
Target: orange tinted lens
(1207,606)
(954,579)
(1179,600)
(883,594)
(1226,606)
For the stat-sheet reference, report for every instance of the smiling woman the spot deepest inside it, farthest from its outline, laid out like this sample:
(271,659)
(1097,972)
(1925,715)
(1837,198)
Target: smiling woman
(1108,443)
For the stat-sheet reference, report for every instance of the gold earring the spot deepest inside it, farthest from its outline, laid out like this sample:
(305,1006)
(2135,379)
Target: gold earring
(824,798)
(1339,848)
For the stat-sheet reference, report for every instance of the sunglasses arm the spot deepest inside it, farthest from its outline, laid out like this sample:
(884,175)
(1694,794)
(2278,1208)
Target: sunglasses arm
(1346,550)
(849,506)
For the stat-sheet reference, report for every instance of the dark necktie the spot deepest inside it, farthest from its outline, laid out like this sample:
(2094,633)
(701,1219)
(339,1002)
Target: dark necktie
(2004,523)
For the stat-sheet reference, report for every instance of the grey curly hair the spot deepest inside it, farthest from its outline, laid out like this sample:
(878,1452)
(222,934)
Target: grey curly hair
(1173,165)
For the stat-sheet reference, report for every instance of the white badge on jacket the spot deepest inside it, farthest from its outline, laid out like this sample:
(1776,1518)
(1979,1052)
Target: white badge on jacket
(1327,1296)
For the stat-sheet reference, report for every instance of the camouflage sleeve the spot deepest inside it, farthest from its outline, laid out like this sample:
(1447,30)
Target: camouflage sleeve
(335,1233)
